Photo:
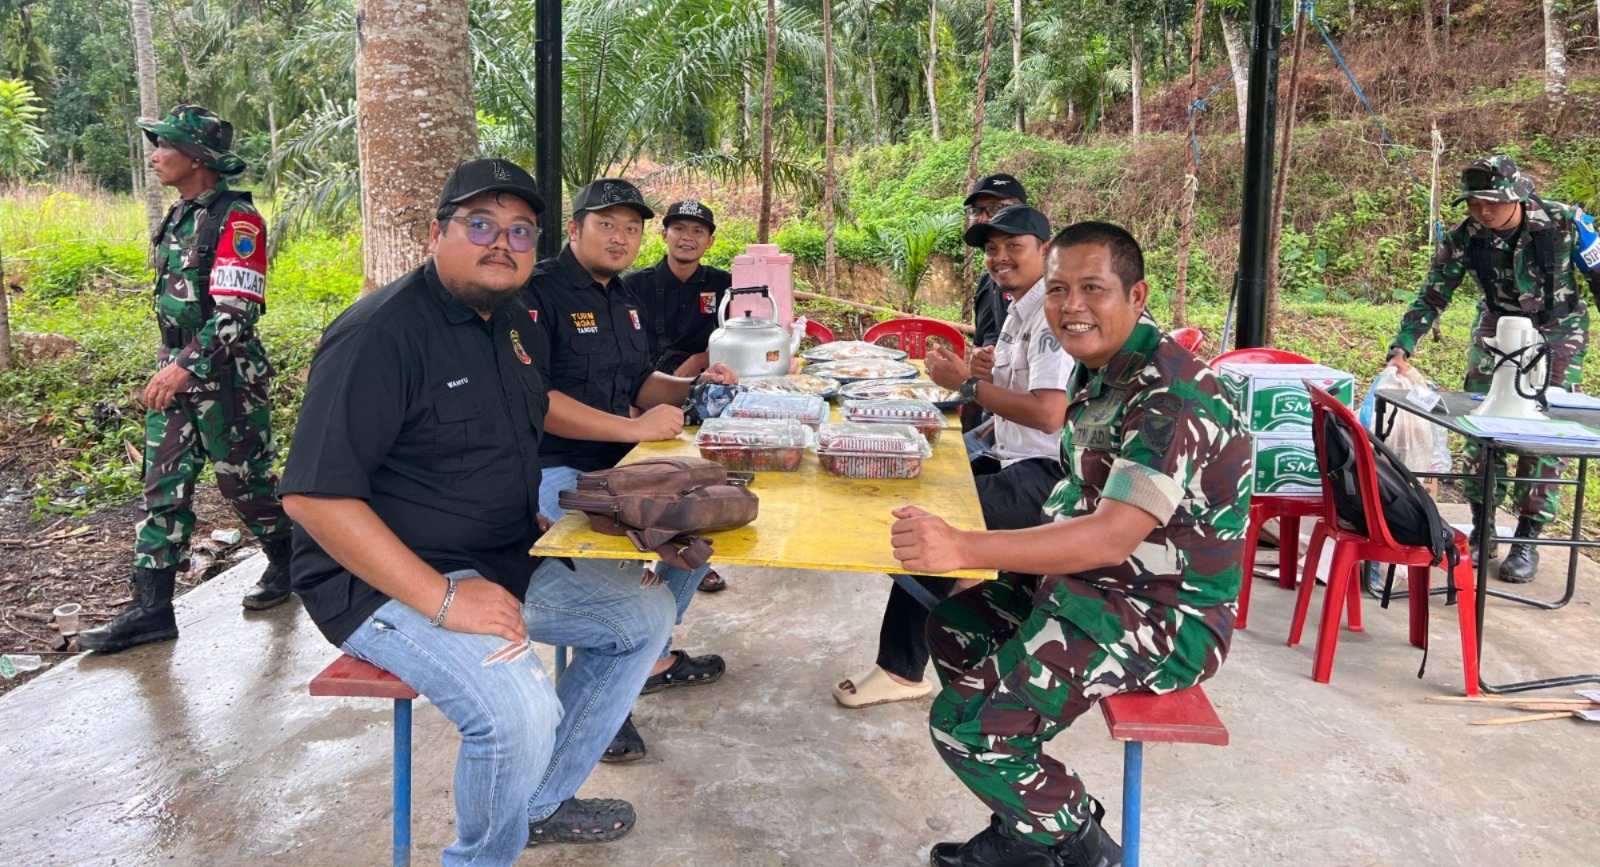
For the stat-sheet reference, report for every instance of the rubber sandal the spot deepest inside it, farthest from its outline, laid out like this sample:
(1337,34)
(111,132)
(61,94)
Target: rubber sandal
(877,687)
(686,670)
(712,583)
(584,820)
(627,746)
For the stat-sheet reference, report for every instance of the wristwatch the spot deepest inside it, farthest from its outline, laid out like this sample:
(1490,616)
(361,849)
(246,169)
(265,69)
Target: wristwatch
(969,389)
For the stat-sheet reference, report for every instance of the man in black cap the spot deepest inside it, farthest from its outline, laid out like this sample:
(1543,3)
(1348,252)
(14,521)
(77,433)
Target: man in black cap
(414,485)
(679,295)
(605,395)
(989,304)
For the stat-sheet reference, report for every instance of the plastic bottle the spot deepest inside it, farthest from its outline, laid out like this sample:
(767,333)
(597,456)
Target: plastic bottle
(12,664)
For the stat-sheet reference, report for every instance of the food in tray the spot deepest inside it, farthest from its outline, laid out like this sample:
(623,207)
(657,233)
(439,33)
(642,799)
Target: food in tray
(870,368)
(920,414)
(753,444)
(871,451)
(851,350)
(915,389)
(808,409)
(794,383)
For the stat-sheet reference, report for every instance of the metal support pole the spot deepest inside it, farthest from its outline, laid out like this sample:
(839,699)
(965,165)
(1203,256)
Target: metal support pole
(1132,800)
(402,782)
(1255,223)
(547,123)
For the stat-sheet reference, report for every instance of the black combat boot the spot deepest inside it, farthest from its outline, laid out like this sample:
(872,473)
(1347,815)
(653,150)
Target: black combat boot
(1522,563)
(1091,846)
(273,588)
(148,619)
(1476,534)
(995,846)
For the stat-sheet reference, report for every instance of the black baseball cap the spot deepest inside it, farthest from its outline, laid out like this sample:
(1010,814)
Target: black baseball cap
(475,177)
(1001,185)
(689,209)
(1012,220)
(606,192)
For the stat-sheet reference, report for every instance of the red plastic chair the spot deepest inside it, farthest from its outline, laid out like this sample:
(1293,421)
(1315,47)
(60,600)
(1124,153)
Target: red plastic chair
(819,331)
(1351,548)
(914,334)
(1264,507)
(1189,338)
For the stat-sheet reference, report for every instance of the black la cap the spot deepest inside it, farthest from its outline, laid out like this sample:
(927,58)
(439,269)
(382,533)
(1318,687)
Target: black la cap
(606,192)
(1012,220)
(689,209)
(1002,186)
(476,177)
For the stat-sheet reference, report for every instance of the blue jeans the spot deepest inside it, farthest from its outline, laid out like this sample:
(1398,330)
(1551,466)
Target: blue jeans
(682,583)
(527,746)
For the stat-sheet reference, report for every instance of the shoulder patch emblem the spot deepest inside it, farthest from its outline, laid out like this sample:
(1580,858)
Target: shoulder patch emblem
(1158,426)
(245,238)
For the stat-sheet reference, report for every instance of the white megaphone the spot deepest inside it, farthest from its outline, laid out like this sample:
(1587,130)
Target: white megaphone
(1521,372)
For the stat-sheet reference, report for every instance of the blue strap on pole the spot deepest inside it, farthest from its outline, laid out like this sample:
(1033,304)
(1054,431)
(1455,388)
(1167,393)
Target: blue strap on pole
(1200,105)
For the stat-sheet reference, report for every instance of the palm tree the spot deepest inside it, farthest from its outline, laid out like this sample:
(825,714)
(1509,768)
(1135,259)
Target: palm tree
(977,120)
(933,63)
(1555,54)
(830,267)
(144,52)
(765,225)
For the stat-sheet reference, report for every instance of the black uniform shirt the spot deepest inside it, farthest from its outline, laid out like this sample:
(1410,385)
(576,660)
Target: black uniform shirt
(990,304)
(432,415)
(594,348)
(679,315)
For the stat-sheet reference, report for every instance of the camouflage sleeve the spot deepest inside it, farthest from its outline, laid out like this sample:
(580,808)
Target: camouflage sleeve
(1166,435)
(1449,266)
(238,288)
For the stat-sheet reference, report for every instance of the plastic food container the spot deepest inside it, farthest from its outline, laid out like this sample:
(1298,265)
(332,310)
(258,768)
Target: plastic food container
(920,414)
(868,368)
(808,409)
(909,389)
(754,444)
(851,350)
(794,383)
(871,451)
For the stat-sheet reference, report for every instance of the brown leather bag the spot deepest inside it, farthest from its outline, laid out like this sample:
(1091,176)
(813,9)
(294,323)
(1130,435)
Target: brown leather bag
(659,504)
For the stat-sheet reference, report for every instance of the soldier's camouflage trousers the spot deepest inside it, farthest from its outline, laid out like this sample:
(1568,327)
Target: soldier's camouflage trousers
(178,441)
(1015,676)
(1568,339)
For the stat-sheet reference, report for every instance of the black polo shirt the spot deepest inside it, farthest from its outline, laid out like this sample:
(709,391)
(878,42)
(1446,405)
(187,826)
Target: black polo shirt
(593,348)
(679,315)
(432,415)
(990,304)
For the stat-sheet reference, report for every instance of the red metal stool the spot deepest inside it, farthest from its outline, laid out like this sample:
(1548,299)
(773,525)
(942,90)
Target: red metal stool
(1182,717)
(914,334)
(354,677)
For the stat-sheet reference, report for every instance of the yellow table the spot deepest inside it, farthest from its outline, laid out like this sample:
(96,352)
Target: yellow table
(808,519)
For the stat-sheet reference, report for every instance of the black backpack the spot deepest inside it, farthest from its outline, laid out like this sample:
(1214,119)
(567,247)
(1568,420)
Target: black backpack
(1411,515)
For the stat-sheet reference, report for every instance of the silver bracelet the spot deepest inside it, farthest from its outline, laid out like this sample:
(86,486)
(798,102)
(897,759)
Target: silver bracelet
(449,597)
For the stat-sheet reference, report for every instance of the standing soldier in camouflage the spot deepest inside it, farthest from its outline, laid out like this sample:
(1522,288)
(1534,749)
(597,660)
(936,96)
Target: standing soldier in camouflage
(1526,254)
(209,398)
(1140,565)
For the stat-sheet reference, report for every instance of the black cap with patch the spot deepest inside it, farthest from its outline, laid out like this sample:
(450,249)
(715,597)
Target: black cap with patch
(1012,220)
(689,209)
(1001,186)
(476,177)
(608,192)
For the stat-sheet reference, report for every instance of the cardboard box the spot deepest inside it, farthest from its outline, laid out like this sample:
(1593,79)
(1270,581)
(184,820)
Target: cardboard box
(1285,464)
(1271,398)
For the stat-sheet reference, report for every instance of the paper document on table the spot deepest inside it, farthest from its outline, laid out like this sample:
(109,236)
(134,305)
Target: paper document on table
(1533,430)
(1572,400)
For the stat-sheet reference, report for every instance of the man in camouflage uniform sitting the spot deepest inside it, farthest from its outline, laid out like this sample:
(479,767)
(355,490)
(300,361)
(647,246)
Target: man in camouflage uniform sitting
(209,398)
(1140,565)
(1526,254)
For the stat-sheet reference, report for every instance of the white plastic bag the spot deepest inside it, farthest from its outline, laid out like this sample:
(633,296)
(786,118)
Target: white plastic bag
(1411,436)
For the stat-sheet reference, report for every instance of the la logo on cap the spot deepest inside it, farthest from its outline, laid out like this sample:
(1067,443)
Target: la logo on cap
(500,173)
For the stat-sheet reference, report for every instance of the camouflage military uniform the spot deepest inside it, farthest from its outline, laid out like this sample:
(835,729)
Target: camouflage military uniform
(225,414)
(1021,658)
(1518,289)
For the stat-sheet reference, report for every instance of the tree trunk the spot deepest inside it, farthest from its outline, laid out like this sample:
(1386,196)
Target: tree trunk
(1285,156)
(764,229)
(744,111)
(1427,29)
(5,318)
(1180,283)
(1239,61)
(1555,56)
(872,72)
(933,62)
(144,52)
(977,126)
(830,266)
(1445,24)
(1016,64)
(414,123)
(1137,79)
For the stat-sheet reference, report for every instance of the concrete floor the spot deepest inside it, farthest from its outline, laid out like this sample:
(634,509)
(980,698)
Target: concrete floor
(209,751)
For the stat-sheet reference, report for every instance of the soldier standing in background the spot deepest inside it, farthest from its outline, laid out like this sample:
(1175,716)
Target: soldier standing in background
(209,398)
(1526,254)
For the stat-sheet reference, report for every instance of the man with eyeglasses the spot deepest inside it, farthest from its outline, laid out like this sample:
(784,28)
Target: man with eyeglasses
(1526,254)
(414,486)
(605,394)
(989,302)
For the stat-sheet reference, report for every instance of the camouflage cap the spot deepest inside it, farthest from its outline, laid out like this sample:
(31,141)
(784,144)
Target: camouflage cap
(1494,178)
(198,133)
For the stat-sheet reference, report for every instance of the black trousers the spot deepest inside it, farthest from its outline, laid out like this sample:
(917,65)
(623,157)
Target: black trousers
(1012,499)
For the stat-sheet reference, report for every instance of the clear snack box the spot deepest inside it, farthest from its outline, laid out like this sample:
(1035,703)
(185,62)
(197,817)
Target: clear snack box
(808,409)
(860,450)
(851,350)
(866,368)
(754,444)
(920,414)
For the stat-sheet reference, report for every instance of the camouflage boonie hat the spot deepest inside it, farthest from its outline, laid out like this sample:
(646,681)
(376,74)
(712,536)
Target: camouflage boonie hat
(198,133)
(1495,178)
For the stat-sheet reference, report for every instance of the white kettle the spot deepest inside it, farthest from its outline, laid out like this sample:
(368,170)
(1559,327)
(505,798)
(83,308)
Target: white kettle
(1521,373)
(749,345)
